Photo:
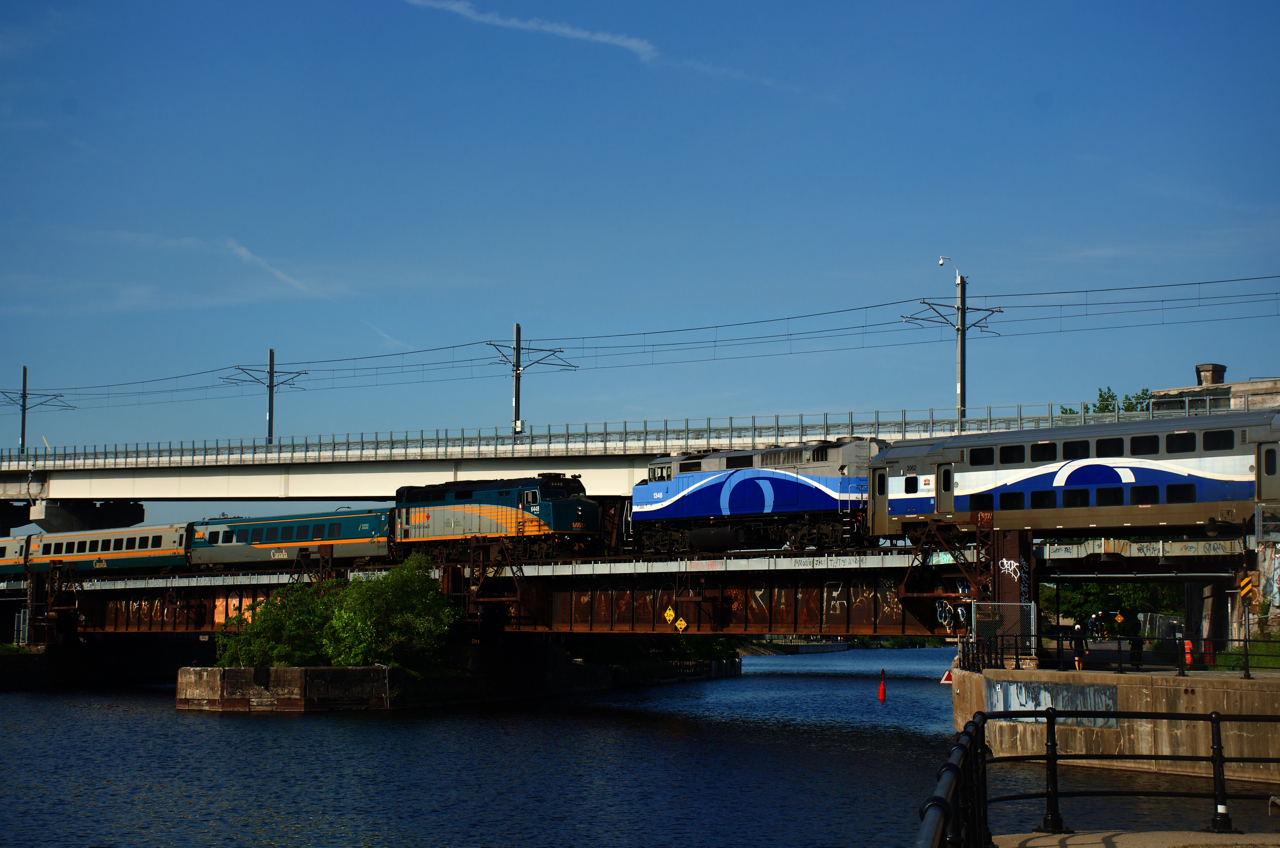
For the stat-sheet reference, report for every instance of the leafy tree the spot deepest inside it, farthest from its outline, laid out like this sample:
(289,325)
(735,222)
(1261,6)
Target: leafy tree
(282,629)
(1107,401)
(1081,600)
(401,618)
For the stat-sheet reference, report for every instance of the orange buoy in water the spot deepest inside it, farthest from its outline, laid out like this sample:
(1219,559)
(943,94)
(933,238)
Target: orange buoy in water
(882,684)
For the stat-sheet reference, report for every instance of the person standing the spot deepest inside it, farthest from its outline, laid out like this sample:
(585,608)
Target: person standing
(1079,647)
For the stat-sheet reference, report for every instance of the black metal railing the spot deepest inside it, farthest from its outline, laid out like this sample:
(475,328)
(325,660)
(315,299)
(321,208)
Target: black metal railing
(1130,653)
(956,814)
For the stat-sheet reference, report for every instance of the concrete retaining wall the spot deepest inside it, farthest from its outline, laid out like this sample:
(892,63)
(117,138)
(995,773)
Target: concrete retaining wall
(1000,689)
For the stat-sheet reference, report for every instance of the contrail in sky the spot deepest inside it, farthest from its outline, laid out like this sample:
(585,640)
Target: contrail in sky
(643,49)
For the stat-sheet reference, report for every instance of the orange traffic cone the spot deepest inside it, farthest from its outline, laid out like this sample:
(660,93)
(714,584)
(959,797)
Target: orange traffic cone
(882,684)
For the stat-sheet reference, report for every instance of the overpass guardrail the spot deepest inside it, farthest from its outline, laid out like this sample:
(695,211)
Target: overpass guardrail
(688,435)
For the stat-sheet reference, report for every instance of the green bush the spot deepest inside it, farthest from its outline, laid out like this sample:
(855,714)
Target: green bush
(399,618)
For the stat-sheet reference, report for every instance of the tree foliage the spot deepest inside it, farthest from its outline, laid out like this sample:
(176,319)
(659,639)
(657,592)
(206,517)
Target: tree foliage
(1081,600)
(400,618)
(1139,401)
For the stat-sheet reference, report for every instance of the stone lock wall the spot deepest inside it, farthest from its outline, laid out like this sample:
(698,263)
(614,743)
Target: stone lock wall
(999,689)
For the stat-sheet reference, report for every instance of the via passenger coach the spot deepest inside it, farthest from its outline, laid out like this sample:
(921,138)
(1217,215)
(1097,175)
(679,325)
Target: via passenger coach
(1168,477)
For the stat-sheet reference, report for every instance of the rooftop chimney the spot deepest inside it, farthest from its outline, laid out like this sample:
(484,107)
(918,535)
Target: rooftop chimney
(1210,375)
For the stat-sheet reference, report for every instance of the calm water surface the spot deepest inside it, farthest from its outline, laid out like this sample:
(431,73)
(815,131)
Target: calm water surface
(797,752)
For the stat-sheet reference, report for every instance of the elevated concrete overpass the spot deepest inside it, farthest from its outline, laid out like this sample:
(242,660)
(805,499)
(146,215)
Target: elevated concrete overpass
(103,485)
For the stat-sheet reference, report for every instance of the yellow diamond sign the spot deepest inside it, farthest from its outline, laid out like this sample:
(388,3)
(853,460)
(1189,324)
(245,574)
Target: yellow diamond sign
(680,625)
(669,614)
(1119,618)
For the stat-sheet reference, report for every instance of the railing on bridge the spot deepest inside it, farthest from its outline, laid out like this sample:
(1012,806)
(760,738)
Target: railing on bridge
(628,437)
(957,811)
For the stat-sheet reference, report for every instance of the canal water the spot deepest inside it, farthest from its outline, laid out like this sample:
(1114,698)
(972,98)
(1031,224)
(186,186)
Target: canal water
(797,752)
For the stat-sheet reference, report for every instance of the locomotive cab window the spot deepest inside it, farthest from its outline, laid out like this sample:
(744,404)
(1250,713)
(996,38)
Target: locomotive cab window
(982,456)
(1180,443)
(1075,450)
(1219,440)
(530,498)
(1044,452)
(1013,454)
(1109,447)
(910,485)
(1144,445)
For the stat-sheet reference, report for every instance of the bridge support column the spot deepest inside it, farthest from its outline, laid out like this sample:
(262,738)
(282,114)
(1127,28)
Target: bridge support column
(70,516)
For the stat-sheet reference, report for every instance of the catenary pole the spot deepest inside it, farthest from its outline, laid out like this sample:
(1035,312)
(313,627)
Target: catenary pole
(517,426)
(271,395)
(22,440)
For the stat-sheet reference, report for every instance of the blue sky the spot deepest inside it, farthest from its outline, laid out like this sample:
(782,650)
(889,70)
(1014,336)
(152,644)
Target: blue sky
(183,186)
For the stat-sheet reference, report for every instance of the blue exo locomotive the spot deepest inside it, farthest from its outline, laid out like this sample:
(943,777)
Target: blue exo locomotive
(795,496)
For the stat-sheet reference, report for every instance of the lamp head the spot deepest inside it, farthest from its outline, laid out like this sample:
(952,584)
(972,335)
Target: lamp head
(941,261)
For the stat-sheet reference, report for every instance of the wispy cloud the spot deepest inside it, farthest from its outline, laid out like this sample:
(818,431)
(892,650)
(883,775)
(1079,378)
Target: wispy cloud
(643,49)
(239,251)
(389,339)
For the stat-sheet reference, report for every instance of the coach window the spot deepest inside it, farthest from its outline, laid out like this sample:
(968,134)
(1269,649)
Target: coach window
(982,456)
(286,534)
(117,545)
(131,543)
(155,541)
(1180,493)
(1144,445)
(335,531)
(1110,496)
(984,502)
(910,485)
(1144,495)
(1012,500)
(242,535)
(1075,450)
(1044,500)
(81,547)
(57,548)
(1075,498)
(1269,462)
(1044,452)
(1013,454)
(143,542)
(880,478)
(944,484)
(93,546)
(273,533)
(1110,448)
(304,533)
(256,537)
(1180,443)
(1219,440)
(45,549)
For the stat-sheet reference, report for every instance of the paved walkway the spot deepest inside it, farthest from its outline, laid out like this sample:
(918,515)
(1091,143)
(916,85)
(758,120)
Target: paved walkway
(1124,839)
